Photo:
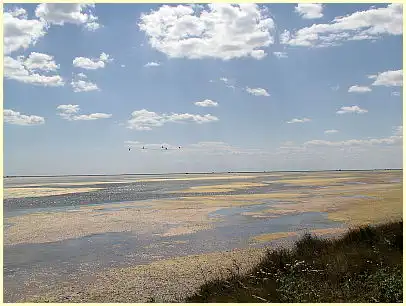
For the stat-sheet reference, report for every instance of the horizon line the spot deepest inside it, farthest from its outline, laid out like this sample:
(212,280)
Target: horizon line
(213,172)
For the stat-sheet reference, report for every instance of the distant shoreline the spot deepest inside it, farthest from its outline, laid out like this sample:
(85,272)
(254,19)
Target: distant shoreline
(192,173)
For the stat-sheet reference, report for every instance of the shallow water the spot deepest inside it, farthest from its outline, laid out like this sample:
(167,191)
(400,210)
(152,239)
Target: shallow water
(51,262)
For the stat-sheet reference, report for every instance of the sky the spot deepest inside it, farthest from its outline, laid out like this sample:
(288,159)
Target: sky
(224,87)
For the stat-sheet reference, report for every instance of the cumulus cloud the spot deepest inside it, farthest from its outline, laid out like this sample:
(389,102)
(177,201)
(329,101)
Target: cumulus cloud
(152,64)
(40,61)
(370,24)
(83,86)
(330,131)
(296,120)
(92,64)
(13,117)
(309,10)
(206,103)
(220,30)
(388,78)
(74,13)
(359,89)
(23,70)
(146,120)
(70,112)
(280,54)
(19,31)
(351,109)
(257,91)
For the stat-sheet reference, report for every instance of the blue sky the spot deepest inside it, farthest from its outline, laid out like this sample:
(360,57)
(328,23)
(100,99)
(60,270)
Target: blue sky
(280,86)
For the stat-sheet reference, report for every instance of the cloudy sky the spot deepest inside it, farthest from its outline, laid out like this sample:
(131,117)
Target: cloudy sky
(249,87)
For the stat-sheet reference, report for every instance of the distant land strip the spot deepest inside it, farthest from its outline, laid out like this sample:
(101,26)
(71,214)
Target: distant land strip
(174,173)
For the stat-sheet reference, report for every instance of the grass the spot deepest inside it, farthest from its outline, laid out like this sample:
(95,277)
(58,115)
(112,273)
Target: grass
(364,265)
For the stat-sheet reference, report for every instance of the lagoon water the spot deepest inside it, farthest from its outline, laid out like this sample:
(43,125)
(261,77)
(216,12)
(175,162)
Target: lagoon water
(62,229)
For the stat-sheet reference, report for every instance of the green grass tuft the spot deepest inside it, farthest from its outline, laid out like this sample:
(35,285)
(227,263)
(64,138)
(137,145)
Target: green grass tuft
(365,265)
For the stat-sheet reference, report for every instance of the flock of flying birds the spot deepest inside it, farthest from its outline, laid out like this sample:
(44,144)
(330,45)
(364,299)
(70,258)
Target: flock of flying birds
(160,149)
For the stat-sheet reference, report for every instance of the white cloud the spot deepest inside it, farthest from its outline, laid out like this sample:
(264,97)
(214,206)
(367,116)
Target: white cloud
(40,61)
(335,88)
(21,70)
(280,54)
(92,26)
(206,103)
(359,89)
(122,66)
(295,120)
(370,24)
(92,64)
(19,31)
(227,82)
(284,37)
(388,78)
(70,112)
(74,13)
(257,91)
(146,120)
(392,140)
(398,130)
(330,131)
(83,86)
(93,116)
(309,10)
(351,109)
(106,57)
(395,93)
(221,30)
(13,117)
(152,64)
(81,75)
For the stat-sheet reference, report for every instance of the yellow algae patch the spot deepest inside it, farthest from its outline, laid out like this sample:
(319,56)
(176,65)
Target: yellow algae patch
(40,192)
(270,213)
(184,230)
(220,201)
(49,227)
(235,177)
(273,236)
(388,205)
(316,181)
(71,184)
(164,280)
(221,188)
